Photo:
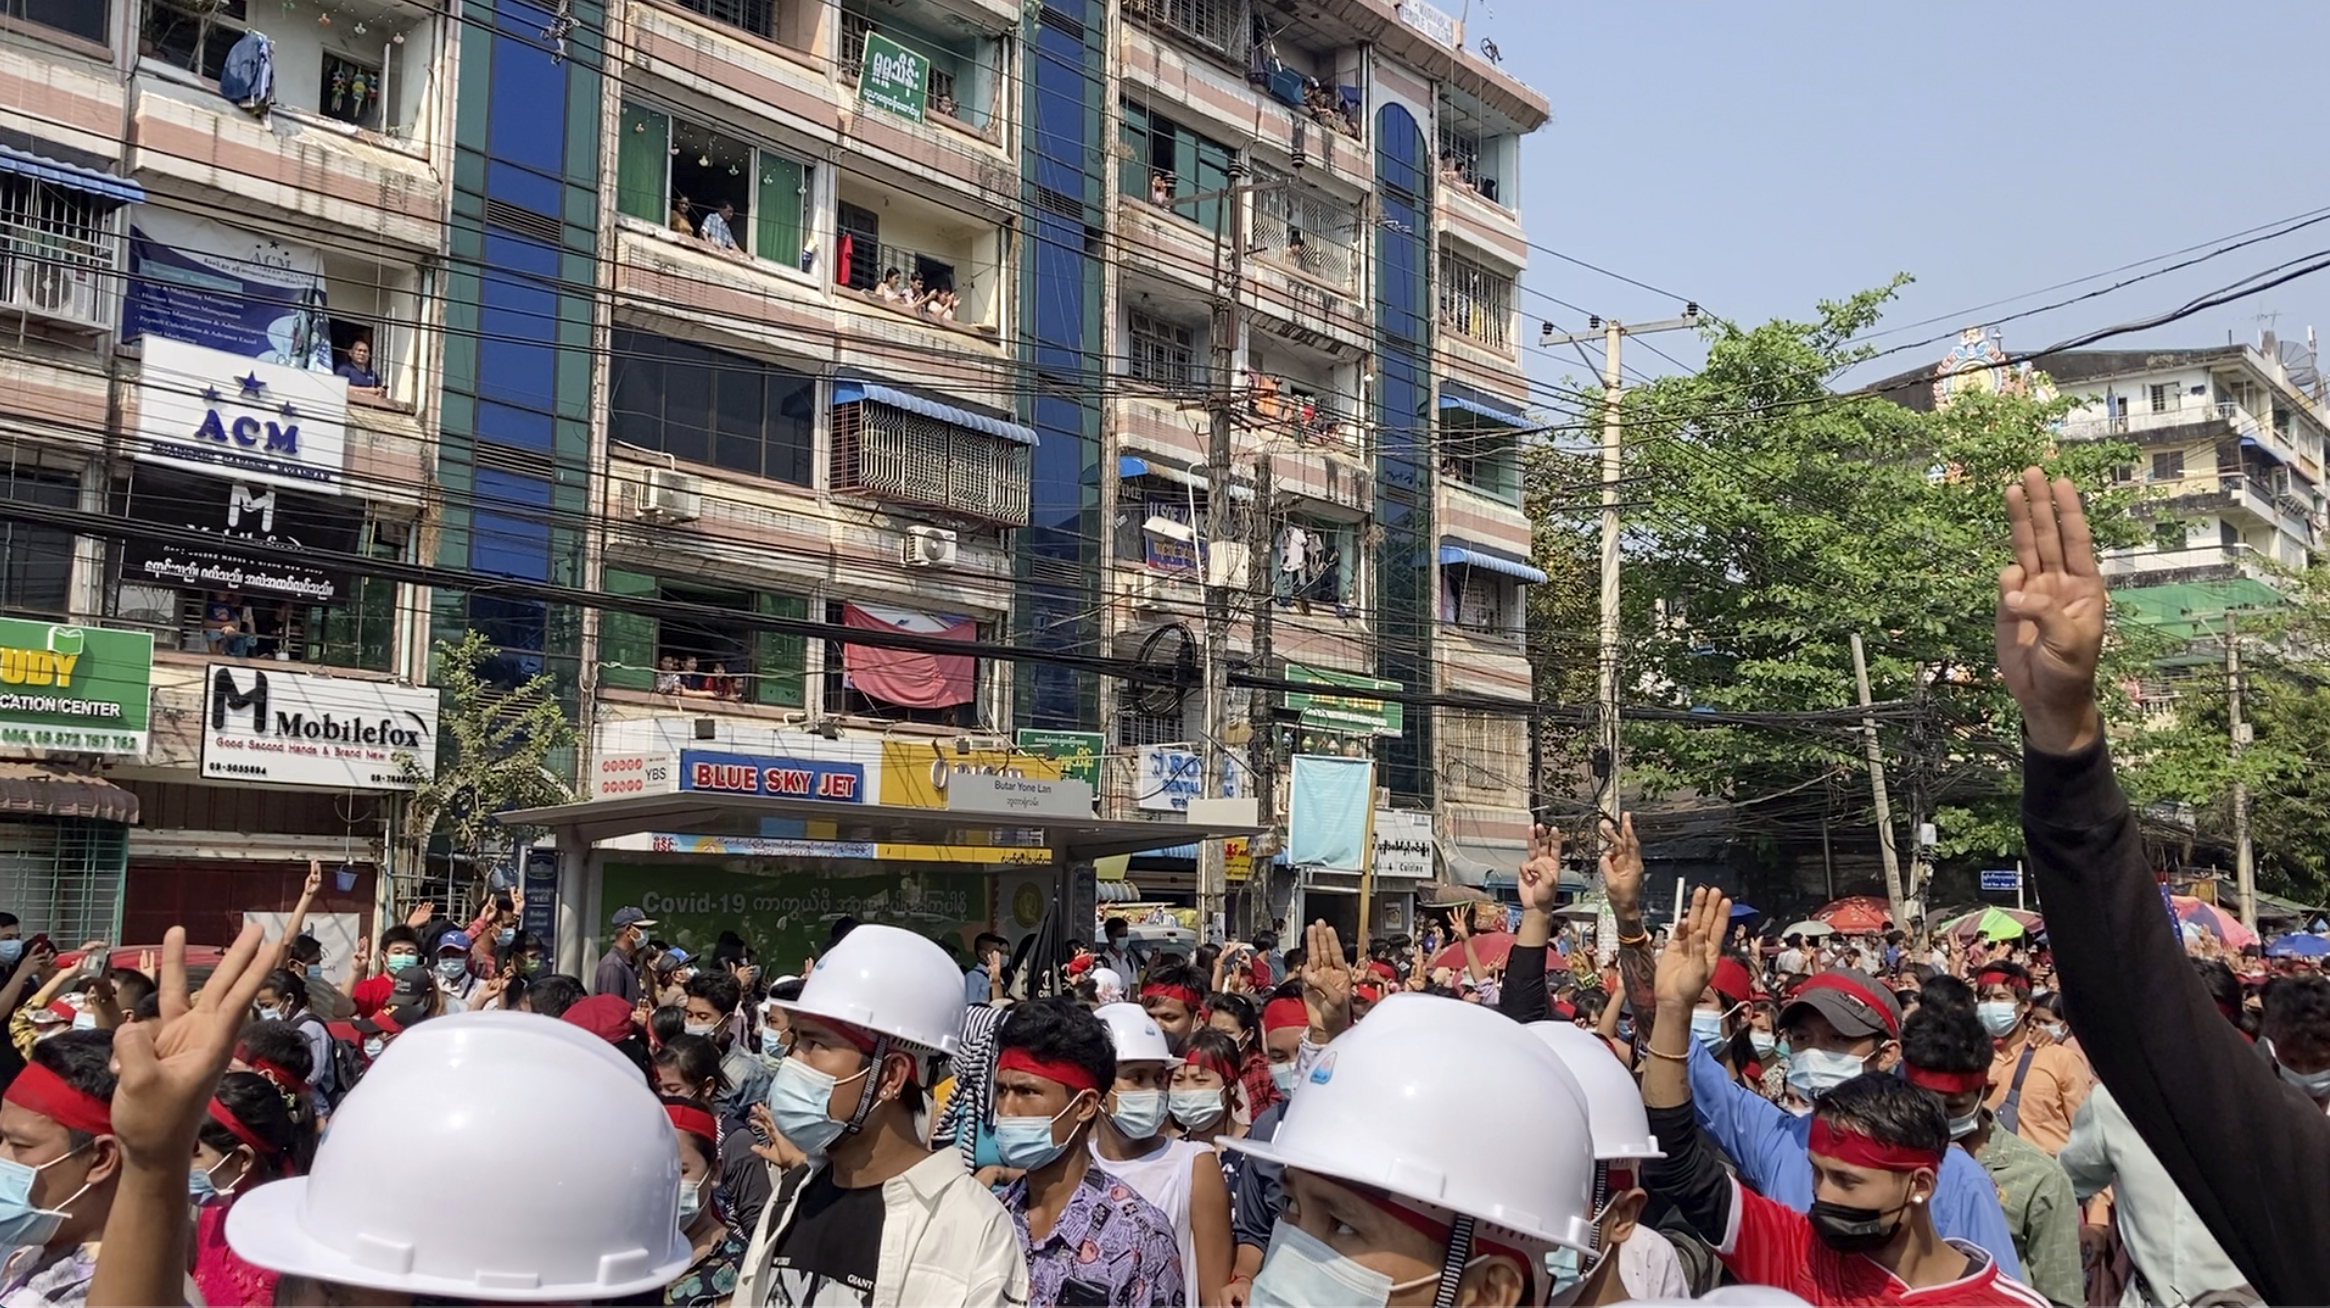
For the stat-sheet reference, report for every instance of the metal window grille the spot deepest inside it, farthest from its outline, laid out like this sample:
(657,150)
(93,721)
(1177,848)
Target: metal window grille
(1484,751)
(1161,353)
(755,16)
(1460,150)
(905,457)
(1218,24)
(64,876)
(1308,230)
(1475,302)
(1482,600)
(57,253)
(854,28)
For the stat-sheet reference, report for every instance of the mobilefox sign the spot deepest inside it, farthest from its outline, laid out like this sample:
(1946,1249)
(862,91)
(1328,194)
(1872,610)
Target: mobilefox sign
(294,728)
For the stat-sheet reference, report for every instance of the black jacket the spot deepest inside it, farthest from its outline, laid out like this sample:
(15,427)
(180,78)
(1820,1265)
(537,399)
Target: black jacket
(2250,1152)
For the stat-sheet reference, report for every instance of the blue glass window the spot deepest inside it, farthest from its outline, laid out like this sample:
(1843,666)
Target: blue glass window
(517,321)
(527,114)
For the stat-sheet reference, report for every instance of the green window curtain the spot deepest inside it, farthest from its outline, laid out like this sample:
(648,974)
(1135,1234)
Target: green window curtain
(1132,171)
(1213,178)
(784,191)
(640,164)
(780,661)
(626,640)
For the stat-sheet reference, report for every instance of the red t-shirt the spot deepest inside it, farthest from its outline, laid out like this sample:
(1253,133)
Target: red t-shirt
(1772,1244)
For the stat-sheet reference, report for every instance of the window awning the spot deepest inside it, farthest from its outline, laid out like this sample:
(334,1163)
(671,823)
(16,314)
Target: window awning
(1451,397)
(1475,862)
(89,181)
(1453,552)
(31,788)
(850,392)
(1131,465)
(2252,443)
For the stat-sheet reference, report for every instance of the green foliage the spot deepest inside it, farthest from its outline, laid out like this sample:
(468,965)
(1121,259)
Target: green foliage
(496,747)
(1774,517)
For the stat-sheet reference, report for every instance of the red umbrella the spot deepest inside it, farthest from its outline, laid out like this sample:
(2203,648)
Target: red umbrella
(1856,914)
(1491,948)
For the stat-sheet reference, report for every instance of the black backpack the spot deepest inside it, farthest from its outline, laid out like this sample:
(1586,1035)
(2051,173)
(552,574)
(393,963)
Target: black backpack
(347,1055)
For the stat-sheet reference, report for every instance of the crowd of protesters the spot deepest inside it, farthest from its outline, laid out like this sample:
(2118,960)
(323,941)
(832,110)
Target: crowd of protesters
(1569,1119)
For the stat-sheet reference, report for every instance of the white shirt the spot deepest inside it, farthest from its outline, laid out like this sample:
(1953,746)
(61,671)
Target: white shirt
(1162,1178)
(716,231)
(1650,1269)
(2178,1258)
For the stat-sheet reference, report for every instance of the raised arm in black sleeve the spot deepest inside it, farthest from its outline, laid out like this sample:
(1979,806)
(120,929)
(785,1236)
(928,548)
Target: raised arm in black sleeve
(1691,1176)
(2251,1153)
(1524,997)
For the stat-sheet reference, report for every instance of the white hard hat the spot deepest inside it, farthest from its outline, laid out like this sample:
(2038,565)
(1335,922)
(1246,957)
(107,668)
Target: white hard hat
(1398,1101)
(1613,1101)
(1136,1035)
(493,1093)
(889,981)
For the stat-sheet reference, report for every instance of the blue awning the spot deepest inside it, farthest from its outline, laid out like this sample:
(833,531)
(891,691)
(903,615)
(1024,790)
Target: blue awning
(1452,553)
(850,392)
(1453,398)
(2252,443)
(89,181)
(1133,465)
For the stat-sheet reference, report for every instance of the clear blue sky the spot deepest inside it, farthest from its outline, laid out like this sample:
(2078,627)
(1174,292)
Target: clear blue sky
(1761,156)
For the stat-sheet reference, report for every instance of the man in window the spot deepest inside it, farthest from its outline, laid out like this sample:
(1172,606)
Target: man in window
(716,227)
(357,368)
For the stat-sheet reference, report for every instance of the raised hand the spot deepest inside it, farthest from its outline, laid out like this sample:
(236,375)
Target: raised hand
(1326,980)
(1540,875)
(421,913)
(2050,621)
(361,955)
(1688,962)
(1622,865)
(315,879)
(169,1067)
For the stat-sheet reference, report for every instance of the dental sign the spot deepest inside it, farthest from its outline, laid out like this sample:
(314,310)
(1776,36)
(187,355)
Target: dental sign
(205,410)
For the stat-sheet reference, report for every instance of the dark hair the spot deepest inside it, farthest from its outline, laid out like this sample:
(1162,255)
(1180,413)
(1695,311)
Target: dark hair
(729,948)
(718,989)
(696,1059)
(667,1023)
(842,926)
(1944,1037)
(1240,1009)
(708,1150)
(284,983)
(2015,973)
(306,949)
(267,1113)
(1180,976)
(1945,991)
(1207,1041)
(1265,941)
(130,987)
(552,995)
(786,990)
(2225,989)
(400,934)
(1203,960)
(84,1061)
(7,920)
(1293,956)
(2298,1005)
(148,1009)
(1059,1031)
(980,942)
(1589,1004)
(279,1043)
(1115,923)
(1888,1110)
(1920,973)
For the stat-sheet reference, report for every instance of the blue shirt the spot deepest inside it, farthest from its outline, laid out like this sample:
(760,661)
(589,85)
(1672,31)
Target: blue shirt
(1766,1142)
(976,986)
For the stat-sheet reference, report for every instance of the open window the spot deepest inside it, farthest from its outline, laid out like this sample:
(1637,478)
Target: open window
(1481,588)
(90,20)
(709,657)
(1475,300)
(678,173)
(1314,564)
(1480,442)
(964,60)
(1169,165)
(913,256)
(367,67)
(898,685)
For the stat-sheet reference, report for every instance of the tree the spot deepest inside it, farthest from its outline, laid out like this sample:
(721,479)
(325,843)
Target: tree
(1777,517)
(496,744)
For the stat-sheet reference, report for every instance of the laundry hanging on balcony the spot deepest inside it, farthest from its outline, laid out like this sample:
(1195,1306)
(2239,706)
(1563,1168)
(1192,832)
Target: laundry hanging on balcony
(206,283)
(247,80)
(905,677)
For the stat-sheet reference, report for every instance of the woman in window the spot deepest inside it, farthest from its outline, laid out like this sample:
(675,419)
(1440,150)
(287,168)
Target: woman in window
(667,676)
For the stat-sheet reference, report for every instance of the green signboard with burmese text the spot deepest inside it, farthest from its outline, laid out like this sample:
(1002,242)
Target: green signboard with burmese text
(892,78)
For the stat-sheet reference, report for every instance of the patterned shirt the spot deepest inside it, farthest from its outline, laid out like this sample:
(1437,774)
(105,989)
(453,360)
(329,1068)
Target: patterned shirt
(1108,1239)
(35,1277)
(712,1278)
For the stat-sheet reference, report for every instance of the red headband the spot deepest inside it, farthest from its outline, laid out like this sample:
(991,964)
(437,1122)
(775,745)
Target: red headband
(1858,1150)
(234,1124)
(1212,1063)
(1279,1014)
(1845,985)
(695,1121)
(387,1023)
(1989,975)
(1182,993)
(1018,1059)
(277,1074)
(1944,1083)
(39,1090)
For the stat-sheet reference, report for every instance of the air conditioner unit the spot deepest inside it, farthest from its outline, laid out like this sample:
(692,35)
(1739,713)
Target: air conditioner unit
(53,289)
(668,495)
(929,547)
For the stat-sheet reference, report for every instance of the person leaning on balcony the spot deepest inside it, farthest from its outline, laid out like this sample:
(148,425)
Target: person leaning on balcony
(683,218)
(716,230)
(888,290)
(357,368)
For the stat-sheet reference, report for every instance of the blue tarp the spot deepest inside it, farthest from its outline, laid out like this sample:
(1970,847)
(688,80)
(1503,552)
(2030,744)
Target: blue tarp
(1452,552)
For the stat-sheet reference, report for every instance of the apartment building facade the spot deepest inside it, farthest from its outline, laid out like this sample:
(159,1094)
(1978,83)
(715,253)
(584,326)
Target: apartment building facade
(756,313)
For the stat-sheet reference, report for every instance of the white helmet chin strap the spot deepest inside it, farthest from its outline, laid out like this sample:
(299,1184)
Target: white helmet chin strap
(1452,1267)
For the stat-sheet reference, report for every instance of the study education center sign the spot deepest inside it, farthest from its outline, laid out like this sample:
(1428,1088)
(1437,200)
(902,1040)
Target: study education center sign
(1334,708)
(78,690)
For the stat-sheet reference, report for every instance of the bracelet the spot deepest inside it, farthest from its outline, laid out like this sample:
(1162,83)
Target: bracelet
(1642,939)
(1661,1053)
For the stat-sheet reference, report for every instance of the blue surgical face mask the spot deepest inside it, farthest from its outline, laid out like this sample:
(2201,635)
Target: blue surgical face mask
(10,951)
(202,1188)
(1139,1113)
(450,969)
(692,1203)
(1814,1072)
(1764,1041)
(1707,1028)
(506,936)
(1282,1075)
(1998,1016)
(798,1099)
(2314,1085)
(20,1222)
(1195,1109)
(1302,1271)
(1025,1143)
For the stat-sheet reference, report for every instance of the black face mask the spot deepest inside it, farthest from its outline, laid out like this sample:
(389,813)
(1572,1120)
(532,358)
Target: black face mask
(1847,1229)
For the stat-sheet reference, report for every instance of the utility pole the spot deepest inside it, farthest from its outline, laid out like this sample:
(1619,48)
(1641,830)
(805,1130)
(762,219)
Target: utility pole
(2244,857)
(1613,334)
(1219,542)
(1262,733)
(1876,759)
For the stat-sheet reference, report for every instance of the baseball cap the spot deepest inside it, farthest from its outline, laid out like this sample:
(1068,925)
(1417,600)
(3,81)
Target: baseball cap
(605,1016)
(457,940)
(632,915)
(392,1019)
(412,985)
(1851,1001)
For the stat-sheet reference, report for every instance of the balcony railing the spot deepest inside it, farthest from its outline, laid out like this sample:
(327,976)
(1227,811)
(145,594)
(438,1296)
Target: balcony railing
(928,286)
(1285,407)
(1309,233)
(57,259)
(1218,25)
(1476,302)
(2146,419)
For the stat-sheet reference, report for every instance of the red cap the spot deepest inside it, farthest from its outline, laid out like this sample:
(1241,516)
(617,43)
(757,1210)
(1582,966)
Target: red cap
(1732,980)
(1383,969)
(605,1016)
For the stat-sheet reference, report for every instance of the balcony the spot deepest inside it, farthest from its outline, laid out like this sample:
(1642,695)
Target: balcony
(1476,303)
(919,262)
(59,252)
(2192,563)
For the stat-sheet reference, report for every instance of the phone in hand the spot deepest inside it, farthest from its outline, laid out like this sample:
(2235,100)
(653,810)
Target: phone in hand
(95,962)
